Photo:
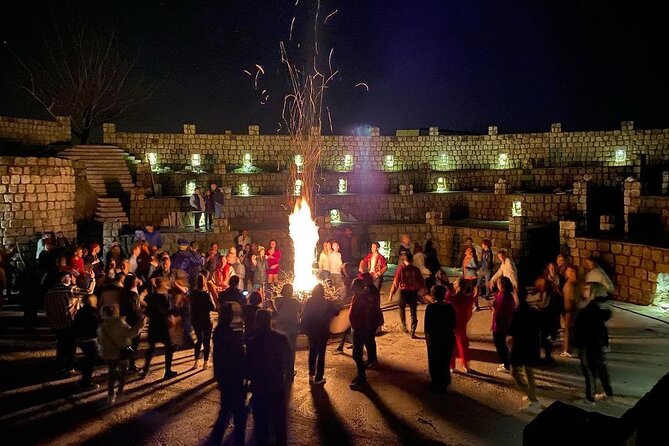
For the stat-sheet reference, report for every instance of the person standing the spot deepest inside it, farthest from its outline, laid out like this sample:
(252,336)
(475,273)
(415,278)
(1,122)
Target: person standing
(273,261)
(158,311)
(152,236)
(462,299)
(114,339)
(439,337)
(318,312)
(405,246)
(243,239)
(85,327)
(348,245)
(597,281)
(131,308)
(219,199)
(375,264)
(523,342)
(409,280)
(503,307)
(288,316)
(572,293)
(431,263)
(201,306)
(324,261)
(336,265)
(212,259)
(365,317)
(270,360)
(60,311)
(260,274)
(590,337)
(208,209)
(506,269)
(485,268)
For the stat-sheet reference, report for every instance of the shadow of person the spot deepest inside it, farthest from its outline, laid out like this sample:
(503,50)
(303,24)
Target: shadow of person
(331,428)
(407,434)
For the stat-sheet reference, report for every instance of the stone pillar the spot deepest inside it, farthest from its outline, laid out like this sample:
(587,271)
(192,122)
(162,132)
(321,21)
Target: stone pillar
(254,130)
(189,129)
(517,235)
(665,183)
(374,131)
(501,187)
(567,236)
(631,199)
(434,131)
(627,126)
(110,232)
(556,127)
(492,130)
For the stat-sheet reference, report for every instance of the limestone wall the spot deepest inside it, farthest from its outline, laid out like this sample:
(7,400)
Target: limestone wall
(35,131)
(36,195)
(396,153)
(634,267)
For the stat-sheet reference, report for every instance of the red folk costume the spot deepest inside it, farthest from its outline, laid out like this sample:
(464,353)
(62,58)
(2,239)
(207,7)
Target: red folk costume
(273,261)
(375,265)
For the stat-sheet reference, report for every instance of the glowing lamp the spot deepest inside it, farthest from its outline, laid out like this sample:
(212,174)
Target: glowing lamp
(195,160)
(348,161)
(384,248)
(620,155)
(516,209)
(443,161)
(244,190)
(299,163)
(190,187)
(441,184)
(503,160)
(343,186)
(247,163)
(298,187)
(335,216)
(390,161)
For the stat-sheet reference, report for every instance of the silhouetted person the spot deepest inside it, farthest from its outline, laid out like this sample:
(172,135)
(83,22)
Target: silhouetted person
(270,362)
(85,328)
(365,318)
(201,306)
(288,316)
(229,370)
(409,280)
(440,337)
(158,311)
(318,312)
(232,293)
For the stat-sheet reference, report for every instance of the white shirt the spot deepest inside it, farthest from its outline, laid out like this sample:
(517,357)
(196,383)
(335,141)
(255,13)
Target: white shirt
(597,275)
(335,262)
(507,269)
(324,262)
(243,241)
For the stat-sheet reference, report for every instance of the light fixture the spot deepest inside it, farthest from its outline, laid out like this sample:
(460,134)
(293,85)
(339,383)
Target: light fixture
(390,161)
(621,155)
(335,216)
(441,184)
(348,162)
(516,209)
(152,158)
(298,187)
(190,187)
(503,160)
(443,161)
(195,160)
(384,248)
(244,190)
(247,163)
(342,187)
(299,163)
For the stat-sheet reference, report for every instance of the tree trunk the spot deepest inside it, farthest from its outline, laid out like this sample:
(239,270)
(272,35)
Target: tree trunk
(84,135)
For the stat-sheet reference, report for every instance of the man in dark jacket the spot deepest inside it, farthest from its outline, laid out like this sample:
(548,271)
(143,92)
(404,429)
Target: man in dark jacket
(158,311)
(485,268)
(590,336)
(85,328)
(316,318)
(219,199)
(440,337)
(188,260)
(232,293)
(270,360)
(365,318)
(409,280)
(230,372)
(288,316)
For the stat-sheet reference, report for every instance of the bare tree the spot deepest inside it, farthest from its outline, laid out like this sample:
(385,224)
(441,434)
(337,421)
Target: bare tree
(82,74)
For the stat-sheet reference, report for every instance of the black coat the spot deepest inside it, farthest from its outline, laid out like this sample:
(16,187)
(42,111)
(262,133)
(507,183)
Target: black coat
(524,328)
(85,324)
(229,356)
(201,306)
(440,322)
(590,327)
(270,363)
(317,316)
(158,310)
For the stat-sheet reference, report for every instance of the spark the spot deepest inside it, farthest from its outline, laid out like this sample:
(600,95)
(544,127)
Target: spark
(329,117)
(296,2)
(292,23)
(255,82)
(330,15)
(248,72)
(318,10)
(263,92)
(362,84)
(330,60)
(261,69)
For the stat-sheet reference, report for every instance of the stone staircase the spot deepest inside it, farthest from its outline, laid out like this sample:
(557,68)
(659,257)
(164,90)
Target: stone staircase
(108,173)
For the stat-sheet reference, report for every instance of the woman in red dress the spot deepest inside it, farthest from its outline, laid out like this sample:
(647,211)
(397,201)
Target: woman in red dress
(273,258)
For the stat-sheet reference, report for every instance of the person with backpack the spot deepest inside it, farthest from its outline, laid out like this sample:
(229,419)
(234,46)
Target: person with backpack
(409,280)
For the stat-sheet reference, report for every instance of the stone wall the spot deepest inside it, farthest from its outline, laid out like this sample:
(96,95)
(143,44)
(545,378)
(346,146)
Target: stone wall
(35,131)
(36,195)
(156,211)
(397,153)
(656,208)
(634,268)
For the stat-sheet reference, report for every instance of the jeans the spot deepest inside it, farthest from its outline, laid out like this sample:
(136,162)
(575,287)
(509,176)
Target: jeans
(361,338)
(593,366)
(196,217)
(317,344)
(117,369)
(499,339)
(270,411)
(90,350)
(482,282)
(439,353)
(218,210)
(66,348)
(208,217)
(169,350)
(527,387)
(203,334)
(409,298)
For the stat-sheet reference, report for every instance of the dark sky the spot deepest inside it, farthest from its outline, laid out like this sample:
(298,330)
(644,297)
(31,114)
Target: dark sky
(459,65)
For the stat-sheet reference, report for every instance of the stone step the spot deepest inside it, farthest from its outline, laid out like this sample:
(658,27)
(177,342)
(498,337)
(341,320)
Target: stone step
(120,214)
(121,220)
(108,200)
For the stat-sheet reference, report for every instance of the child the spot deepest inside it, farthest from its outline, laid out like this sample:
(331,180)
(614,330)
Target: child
(114,340)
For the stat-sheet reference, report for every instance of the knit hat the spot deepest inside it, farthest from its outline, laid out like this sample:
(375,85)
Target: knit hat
(183,244)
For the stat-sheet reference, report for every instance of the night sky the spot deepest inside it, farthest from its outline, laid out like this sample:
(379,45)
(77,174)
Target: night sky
(459,65)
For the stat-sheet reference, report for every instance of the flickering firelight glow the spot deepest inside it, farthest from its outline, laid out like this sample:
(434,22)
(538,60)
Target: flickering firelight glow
(304,232)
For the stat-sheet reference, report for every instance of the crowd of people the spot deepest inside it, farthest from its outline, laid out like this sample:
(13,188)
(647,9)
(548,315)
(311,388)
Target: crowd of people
(102,305)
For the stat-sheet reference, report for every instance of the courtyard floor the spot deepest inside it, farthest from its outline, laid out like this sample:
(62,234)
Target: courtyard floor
(481,408)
